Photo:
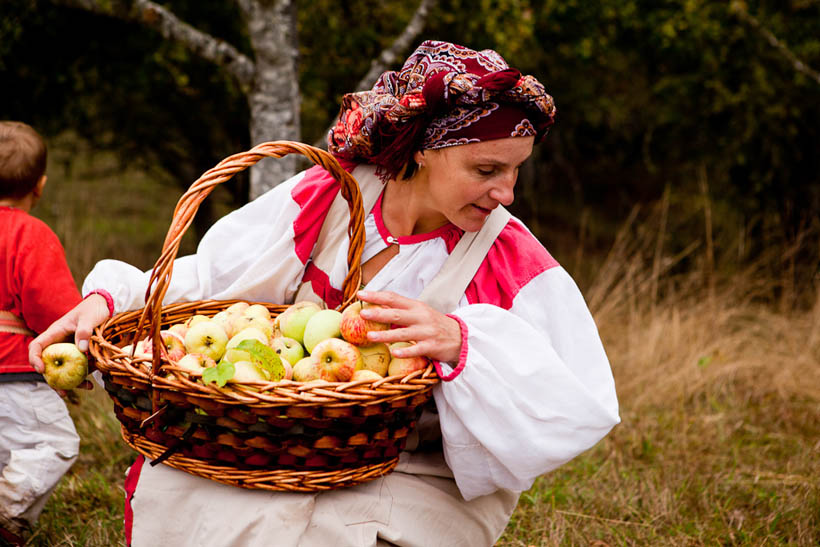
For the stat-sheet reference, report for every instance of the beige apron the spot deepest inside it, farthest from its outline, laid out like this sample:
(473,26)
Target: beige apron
(418,504)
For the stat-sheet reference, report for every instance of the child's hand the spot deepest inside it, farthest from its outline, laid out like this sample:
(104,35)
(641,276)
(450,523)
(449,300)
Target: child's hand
(81,321)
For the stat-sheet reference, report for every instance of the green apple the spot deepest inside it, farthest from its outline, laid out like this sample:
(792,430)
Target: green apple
(207,338)
(404,365)
(322,325)
(305,370)
(65,365)
(376,357)
(337,359)
(291,323)
(288,348)
(250,333)
(246,372)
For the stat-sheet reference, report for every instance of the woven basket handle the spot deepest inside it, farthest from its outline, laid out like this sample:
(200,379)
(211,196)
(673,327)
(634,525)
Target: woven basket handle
(189,204)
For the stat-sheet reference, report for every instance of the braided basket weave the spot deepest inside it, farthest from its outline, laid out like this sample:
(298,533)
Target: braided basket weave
(285,435)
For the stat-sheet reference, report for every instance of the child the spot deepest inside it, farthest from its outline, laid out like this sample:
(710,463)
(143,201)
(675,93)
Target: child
(38,442)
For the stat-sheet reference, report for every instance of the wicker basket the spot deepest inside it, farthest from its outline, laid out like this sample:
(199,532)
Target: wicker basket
(288,436)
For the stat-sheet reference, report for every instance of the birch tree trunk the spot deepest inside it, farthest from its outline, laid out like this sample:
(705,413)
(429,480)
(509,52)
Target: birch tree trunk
(274,97)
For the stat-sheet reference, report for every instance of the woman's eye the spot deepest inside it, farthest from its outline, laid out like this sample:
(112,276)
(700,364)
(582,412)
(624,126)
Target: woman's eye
(486,171)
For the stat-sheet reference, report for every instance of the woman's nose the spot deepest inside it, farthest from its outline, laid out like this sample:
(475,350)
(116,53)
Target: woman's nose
(504,192)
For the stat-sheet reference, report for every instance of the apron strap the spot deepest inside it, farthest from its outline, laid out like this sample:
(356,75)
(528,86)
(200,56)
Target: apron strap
(12,324)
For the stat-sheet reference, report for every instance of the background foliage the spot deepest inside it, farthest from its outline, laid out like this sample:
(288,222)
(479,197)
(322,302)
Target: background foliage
(650,95)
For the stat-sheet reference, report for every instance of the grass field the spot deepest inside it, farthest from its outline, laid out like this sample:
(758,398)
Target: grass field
(718,377)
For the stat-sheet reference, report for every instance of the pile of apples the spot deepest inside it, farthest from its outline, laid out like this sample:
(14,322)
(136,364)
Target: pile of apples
(243,344)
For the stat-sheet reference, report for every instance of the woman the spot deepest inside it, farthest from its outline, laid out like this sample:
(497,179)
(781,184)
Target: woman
(526,382)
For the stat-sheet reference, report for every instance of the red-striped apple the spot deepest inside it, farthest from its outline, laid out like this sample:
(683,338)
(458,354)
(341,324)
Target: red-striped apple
(337,359)
(354,327)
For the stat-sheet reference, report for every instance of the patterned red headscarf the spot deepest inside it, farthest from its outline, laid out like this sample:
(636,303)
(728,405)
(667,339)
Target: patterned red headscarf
(444,95)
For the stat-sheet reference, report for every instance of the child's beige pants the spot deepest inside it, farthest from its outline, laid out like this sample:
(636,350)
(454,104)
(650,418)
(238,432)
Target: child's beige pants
(38,444)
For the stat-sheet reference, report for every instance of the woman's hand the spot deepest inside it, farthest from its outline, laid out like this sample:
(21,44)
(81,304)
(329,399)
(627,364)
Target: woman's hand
(435,335)
(81,321)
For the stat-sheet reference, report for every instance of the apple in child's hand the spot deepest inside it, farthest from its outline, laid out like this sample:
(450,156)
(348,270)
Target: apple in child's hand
(337,359)
(376,357)
(354,327)
(207,338)
(322,325)
(288,348)
(404,365)
(65,366)
(305,370)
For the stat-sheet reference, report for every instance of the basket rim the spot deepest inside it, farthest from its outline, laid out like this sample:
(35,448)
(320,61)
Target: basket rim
(111,360)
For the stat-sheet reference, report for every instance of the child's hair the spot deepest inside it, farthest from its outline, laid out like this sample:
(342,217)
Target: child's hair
(22,159)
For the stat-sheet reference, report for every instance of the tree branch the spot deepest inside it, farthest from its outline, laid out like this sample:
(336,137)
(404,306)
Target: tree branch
(739,10)
(159,18)
(388,57)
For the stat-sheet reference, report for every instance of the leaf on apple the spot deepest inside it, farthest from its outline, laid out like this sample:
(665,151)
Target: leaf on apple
(220,374)
(264,357)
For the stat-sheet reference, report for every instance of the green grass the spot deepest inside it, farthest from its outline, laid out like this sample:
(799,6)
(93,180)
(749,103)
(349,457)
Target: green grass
(719,391)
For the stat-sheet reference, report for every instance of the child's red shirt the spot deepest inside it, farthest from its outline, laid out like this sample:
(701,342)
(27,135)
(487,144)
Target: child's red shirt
(35,283)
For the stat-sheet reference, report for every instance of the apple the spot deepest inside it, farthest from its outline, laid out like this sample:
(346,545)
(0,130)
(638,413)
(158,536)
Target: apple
(241,322)
(225,320)
(291,323)
(143,350)
(207,338)
(247,372)
(288,348)
(337,359)
(322,325)
(237,308)
(404,365)
(194,319)
(365,374)
(376,357)
(306,369)
(174,343)
(257,310)
(65,365)
(354,327)
(179,328)
(195,362)
(236,355)
(288,370)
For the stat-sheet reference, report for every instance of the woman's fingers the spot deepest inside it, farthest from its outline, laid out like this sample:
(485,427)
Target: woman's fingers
(435,335)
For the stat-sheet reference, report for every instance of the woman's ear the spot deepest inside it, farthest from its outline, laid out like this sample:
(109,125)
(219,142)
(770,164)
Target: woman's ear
(418,157)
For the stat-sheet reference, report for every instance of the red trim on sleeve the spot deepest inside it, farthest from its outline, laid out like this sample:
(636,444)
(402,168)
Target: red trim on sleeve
(462,357)
(320,283)
(514,260)
(130,487)
(314,194)
(109,300)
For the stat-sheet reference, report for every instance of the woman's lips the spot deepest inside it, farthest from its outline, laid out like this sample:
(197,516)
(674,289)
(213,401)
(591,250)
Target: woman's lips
(483,210)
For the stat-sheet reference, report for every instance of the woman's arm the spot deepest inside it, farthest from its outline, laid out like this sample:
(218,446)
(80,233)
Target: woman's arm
(534,391)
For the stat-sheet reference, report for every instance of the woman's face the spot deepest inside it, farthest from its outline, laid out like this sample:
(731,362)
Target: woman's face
(466,182)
